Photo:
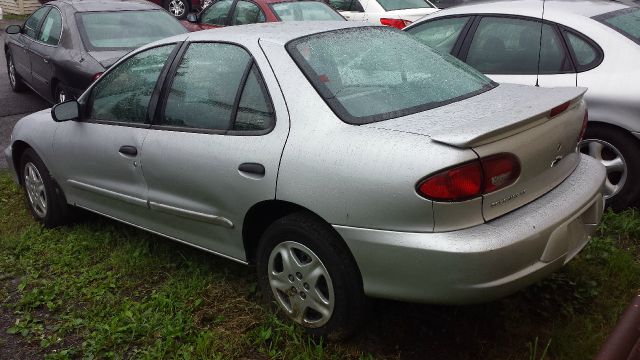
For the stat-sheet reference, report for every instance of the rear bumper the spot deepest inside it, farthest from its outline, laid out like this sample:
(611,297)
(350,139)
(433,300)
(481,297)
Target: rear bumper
(9,157)
(487,261)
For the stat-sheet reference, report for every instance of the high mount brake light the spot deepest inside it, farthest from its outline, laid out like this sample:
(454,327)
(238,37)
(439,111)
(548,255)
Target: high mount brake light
(472,179)
(396,23)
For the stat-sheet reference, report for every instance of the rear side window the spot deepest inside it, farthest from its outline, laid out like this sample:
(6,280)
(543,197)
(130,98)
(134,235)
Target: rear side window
(207,90)
(440,34)
(304,11)
(625,21)
(370,74)
(51,28)
(587,55)
(32,23)
(389,5)
(346,5)
(512,46)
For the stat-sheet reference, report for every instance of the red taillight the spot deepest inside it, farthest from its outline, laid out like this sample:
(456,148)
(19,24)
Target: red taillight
(585,120)
(96,77)
(396,23)
(559,109)
(471,180)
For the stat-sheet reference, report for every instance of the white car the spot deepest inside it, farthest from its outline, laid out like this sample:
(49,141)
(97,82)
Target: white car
(396,13)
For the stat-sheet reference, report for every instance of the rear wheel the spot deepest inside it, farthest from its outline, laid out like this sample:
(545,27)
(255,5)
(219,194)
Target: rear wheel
(307,271)
(618,151)
(178,8)
(44,198)
(14,78)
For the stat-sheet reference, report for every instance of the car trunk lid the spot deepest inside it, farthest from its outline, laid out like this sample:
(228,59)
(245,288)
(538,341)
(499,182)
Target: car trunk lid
(509,119)
(108,58)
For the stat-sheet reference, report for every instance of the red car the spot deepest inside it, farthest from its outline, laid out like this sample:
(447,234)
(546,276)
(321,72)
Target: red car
(179,8)
(239,12)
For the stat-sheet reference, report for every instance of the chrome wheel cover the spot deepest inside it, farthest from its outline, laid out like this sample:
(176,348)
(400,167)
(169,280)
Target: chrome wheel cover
(12,73)
(177,8)
(35,189)
(301,284)
(612,160)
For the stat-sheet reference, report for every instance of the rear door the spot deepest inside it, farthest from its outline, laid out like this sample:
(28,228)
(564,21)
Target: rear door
(43,50)
(100,156)
(519,50)
(215,146)
(20,48)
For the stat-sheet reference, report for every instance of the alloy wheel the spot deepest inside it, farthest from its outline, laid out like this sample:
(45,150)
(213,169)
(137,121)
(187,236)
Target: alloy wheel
(613,162)
(12,73)
(35,189)
(177,8)
(301,284)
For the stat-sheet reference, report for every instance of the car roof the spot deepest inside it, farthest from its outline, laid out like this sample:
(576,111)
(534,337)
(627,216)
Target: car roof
(106,5)
(533,8)
(277,32)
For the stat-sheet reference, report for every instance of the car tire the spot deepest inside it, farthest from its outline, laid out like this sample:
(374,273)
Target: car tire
(328,299)
(178,8)
(17,85)
(618,151)
(44,198)
(60,95)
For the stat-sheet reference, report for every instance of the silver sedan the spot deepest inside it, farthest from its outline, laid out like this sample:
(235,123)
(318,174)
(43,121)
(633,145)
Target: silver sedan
(344,160)
(595,44)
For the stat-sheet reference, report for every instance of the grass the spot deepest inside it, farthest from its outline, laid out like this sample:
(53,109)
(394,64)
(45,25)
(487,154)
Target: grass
(9,16)
(99,289)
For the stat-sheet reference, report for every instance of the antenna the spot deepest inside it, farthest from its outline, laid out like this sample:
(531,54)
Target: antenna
(540,44)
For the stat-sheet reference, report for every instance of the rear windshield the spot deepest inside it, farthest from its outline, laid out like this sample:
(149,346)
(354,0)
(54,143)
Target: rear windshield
(389,5)
(123,30)
(303,11)
(369,74)
(625,21)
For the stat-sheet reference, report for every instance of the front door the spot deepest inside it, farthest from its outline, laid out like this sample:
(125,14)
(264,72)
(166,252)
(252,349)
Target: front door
(100,155)
(42,50)
(20,48)
(214,149)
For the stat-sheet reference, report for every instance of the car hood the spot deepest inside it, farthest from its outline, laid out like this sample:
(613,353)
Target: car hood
(486,117)
(108,58)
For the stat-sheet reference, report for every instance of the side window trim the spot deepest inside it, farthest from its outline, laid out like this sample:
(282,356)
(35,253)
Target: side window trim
(464,51)
(168,83)
(39,26)
(599,52)
(153,102)
(232,9)
(52,8)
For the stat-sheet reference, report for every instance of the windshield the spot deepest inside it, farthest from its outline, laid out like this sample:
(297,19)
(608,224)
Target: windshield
(625,21)
(389,5)
(123,30)
(369,74)
(301,11)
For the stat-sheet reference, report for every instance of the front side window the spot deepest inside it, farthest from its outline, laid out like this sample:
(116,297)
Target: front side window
(625,21)
(51,28)
(122,30)
(205,89)
(389,5)
(33,22)
(440,34)
(217,13)
(123,94)
(305,11)
(512,46)
(247,13)
(370,74)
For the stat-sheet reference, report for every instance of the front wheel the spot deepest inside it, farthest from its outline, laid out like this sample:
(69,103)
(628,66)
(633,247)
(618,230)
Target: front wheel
(305,268)
(15,80)
(178,8)
(618,151)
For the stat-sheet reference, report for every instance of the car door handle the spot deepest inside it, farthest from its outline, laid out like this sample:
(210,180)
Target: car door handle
(128,150)
(252,168)
(45,60)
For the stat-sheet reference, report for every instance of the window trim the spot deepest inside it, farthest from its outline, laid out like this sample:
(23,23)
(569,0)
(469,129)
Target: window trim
(168,83)
(340,110)
(603,17)
(82,31)
(87,102)
(270,5)
(42,23)
(599,52)
(457,46)
(464,51)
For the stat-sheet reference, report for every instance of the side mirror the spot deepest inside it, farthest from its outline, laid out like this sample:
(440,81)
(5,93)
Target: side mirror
(68,110)
(13,29)
(192,17)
